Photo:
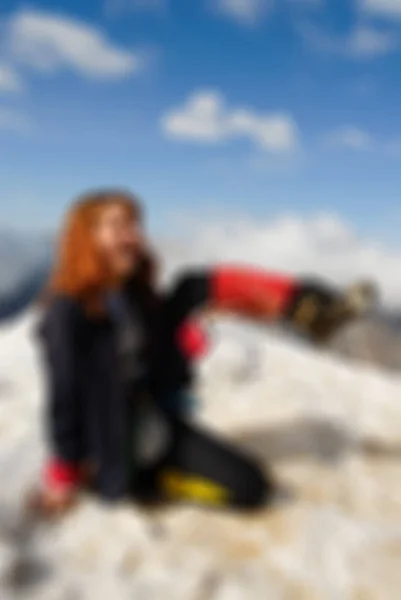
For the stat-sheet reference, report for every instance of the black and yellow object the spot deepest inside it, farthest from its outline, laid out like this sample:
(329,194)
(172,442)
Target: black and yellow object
(185,487)
(319,311)
(202,469)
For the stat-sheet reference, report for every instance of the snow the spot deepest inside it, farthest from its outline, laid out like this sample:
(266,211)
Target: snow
(331,433)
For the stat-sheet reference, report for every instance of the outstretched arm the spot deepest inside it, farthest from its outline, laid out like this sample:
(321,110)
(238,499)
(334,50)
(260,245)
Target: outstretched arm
(311,307)
(242,291)
(226,289)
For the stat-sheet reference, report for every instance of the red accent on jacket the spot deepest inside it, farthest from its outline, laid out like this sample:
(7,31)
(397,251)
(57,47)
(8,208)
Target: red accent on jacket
(193,340)
(61,475)
(252,292)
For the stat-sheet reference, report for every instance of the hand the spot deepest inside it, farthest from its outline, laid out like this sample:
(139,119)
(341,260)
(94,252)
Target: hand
(52,503)
(320,311)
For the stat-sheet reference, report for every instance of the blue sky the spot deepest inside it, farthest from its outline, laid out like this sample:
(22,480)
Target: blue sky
(254,106)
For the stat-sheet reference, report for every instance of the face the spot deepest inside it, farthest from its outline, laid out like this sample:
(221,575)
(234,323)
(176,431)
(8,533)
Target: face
(119,239)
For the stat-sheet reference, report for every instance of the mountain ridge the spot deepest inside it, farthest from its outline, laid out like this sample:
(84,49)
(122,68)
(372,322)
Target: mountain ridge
(328,429)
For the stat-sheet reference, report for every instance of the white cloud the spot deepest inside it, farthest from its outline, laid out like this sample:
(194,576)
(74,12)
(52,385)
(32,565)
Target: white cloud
(244,12)
(10,81)
(205,117)
(15,121)
(384,8)
(363,42)
(249,13)
(50,42)
(351,137)
(357,139)
(322,245)
(367,42)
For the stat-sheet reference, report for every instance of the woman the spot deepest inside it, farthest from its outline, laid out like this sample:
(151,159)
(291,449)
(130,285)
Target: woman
(118,363)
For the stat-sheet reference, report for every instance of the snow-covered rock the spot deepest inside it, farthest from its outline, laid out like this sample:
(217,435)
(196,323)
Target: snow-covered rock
(331,433)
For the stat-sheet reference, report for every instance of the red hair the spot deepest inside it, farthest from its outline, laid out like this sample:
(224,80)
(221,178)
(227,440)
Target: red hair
(79,271)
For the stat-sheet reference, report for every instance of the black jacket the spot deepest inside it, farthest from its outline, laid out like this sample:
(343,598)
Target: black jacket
(88,408)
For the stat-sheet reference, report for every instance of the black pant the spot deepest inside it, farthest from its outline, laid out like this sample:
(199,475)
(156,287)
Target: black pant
(197,467)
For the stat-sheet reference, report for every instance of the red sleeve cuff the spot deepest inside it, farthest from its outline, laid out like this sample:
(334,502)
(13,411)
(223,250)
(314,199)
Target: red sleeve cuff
(192,340)
(252,291)
(58,474)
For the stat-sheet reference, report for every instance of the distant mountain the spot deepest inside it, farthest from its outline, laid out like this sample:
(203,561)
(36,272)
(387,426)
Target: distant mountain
(17,300)
(24,265)
(375,340)
(21,254)
(394,320)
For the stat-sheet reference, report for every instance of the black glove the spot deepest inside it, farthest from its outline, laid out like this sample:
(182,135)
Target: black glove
(319,311)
